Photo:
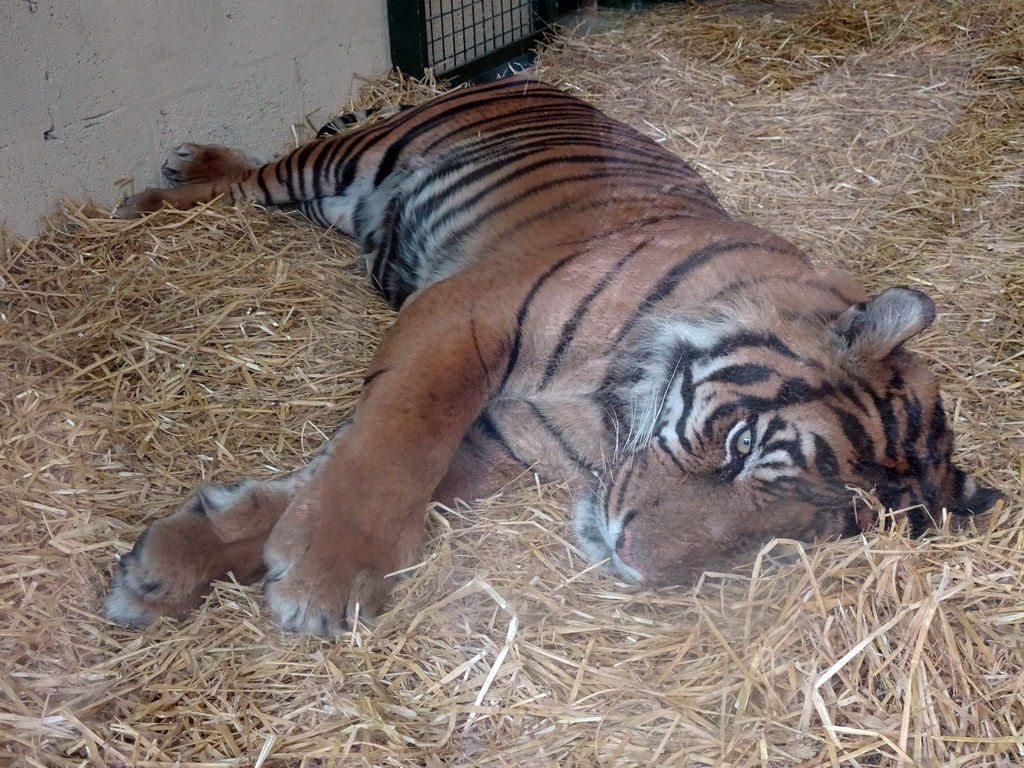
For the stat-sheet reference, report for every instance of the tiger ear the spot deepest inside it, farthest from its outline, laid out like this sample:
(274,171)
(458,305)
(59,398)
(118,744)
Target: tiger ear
(871,330)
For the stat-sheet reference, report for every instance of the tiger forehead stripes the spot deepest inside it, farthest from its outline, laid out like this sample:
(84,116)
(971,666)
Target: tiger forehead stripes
(573,300)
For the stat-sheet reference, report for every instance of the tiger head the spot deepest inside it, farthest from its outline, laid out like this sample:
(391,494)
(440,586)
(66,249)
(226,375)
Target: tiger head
(761,421)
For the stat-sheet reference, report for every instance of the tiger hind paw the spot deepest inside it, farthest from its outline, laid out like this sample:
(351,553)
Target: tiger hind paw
(195,163)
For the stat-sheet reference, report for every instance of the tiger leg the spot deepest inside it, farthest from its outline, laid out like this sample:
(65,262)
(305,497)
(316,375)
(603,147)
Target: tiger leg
(478,468)
(337,550)
(197,173)
(205,173)
(200,172)
(221,528)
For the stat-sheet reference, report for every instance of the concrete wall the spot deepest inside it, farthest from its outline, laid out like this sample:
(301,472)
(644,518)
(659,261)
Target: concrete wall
(95,91)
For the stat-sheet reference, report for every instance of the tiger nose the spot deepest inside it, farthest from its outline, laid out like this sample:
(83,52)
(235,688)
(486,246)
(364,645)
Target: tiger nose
(624,542)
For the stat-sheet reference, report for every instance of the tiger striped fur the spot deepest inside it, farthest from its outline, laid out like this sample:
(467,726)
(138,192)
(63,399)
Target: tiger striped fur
(573,300)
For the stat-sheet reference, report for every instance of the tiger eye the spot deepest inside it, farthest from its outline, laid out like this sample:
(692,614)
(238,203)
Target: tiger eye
(744,442)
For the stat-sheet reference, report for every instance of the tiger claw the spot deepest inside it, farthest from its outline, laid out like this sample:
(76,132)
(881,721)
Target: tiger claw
(172,175)
(303,614)
(180,166)
(137,597)
(147,201)
(322,600)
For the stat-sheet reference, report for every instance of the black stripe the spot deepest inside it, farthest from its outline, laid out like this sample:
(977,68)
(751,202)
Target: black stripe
(468,226)
(480,359)
(446,209)
(861,442)
(290,168)
(524,309)
(612,408)
(451,107)
(936,434)
(620,494)
(140,543)
(349,150)
(382,270)
(490,431)
(538,105)
(740,374)
(789,445)
(913,414)
(853,393)
(929,493)
(775,425)
(724,411)
(565,444)
(663,445)
(737,341)
(959,483)
(547,125)
(668,282)
(532,119)
(504,169)
(890,426)
(264,187)
(301,161)
(573,323)
(489,154)
(795,390)
(687,392)
(825,459)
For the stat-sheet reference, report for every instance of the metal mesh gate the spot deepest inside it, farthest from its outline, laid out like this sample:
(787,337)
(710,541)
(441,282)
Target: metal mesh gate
(462,39)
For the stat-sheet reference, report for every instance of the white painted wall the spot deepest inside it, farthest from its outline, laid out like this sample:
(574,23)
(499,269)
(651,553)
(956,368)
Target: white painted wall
(93,91)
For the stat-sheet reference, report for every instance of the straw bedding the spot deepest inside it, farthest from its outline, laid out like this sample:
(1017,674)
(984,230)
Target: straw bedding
(140,358)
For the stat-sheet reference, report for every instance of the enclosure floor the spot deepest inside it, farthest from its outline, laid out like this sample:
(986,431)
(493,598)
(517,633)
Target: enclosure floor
(142,358)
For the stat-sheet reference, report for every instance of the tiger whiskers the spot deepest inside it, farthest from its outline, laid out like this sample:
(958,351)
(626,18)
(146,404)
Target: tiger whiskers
(606,462)
(645,410)
(644,422)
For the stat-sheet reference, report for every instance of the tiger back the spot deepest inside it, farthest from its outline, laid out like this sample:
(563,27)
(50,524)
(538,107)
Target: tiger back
(574,301)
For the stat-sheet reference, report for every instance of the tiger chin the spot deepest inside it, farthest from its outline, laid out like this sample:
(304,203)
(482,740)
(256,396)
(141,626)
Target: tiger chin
(572,300)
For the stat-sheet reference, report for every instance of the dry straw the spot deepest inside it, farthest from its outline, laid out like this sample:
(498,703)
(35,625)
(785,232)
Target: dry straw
(139,358)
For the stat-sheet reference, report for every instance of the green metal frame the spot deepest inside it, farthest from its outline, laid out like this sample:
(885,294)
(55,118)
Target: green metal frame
(407,27)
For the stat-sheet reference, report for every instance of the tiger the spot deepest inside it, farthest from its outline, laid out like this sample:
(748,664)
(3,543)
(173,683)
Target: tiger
(573,301)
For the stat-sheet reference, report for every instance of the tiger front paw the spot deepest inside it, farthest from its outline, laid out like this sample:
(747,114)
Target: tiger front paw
(326,573)
(170,568)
